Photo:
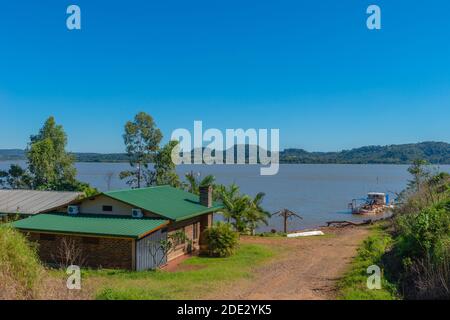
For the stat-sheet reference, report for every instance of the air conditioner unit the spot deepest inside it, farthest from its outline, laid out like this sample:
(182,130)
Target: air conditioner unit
(72,209)
(136,213)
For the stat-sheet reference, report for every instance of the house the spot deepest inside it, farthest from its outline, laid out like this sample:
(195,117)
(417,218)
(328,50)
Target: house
(123,229)
(30,202)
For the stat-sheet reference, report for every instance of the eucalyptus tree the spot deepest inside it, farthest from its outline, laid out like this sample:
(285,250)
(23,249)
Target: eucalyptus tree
(142,139)
(15,178)
(165,168)
(418,170)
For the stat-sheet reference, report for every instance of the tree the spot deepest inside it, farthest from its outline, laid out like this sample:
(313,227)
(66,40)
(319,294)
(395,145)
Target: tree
(15,178)
(418,172)
(50,167)
(194,184)
(141,139)
(108,179)
(286,214)
(242,211)
(257,214)
(165,172)
(165,246)
(220,191)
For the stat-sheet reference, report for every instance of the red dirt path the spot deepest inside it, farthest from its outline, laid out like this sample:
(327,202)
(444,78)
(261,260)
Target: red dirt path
(308,268)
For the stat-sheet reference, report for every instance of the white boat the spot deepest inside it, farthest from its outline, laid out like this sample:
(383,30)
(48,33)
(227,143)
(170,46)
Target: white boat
(305,234)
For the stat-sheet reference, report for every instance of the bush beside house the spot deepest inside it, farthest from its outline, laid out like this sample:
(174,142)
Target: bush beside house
(222,240)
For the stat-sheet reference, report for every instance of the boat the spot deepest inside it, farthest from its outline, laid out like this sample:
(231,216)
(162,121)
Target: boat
(375,202)
(305,234)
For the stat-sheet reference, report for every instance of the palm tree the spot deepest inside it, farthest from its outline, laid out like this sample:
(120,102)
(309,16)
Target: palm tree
(257,214)
(194,184)
(286,214)
(221,192)
(244,212)
(235,211)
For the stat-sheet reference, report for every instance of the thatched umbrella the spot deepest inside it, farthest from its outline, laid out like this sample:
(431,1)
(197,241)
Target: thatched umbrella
(286,214)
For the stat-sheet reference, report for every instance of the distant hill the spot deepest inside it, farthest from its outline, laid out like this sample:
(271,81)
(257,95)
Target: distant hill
(101,157)
(433,152)
(12,154)
(17,154)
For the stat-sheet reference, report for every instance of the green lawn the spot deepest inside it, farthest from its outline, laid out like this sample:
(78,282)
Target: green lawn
(205,275)
(353,286)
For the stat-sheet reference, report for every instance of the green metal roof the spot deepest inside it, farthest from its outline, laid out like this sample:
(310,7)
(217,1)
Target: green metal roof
(98,225)
(173,203)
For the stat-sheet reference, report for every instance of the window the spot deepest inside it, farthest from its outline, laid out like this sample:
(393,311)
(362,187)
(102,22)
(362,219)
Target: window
(90,240)
(107,208)
(46,237)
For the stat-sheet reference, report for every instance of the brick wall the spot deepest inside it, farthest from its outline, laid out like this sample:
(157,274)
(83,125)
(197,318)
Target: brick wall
(199,223)
(95,252)
(181,249)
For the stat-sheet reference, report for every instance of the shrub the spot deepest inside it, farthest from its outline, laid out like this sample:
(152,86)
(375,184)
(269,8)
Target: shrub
(431,278)
(423,247)
(222,240)
(426,233)
(20,269)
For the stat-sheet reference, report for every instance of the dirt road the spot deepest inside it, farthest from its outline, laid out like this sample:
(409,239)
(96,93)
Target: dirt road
(308,268)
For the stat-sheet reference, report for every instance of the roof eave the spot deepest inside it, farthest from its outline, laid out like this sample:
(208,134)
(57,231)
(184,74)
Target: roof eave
(209,210)
(96,235)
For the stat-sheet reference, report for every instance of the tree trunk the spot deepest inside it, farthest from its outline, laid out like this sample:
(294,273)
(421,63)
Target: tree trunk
(139,175)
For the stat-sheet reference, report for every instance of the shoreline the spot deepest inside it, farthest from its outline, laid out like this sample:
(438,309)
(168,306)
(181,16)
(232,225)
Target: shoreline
(248,164)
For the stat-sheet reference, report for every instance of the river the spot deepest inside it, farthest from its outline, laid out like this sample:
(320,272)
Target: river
(317,192)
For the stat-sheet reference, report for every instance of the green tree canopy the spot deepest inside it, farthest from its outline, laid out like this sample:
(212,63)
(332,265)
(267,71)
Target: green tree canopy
(419,173)
(15,178)
(165,172)
(242,211)
(194,183)
(50,167)
(141,139)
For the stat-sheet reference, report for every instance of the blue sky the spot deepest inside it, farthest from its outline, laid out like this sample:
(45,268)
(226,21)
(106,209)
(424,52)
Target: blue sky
(310,68)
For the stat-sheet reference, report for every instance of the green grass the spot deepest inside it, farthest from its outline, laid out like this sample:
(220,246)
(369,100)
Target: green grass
(353,286)
(205,275)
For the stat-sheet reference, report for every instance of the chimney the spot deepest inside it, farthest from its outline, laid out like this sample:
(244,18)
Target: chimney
(206,196)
